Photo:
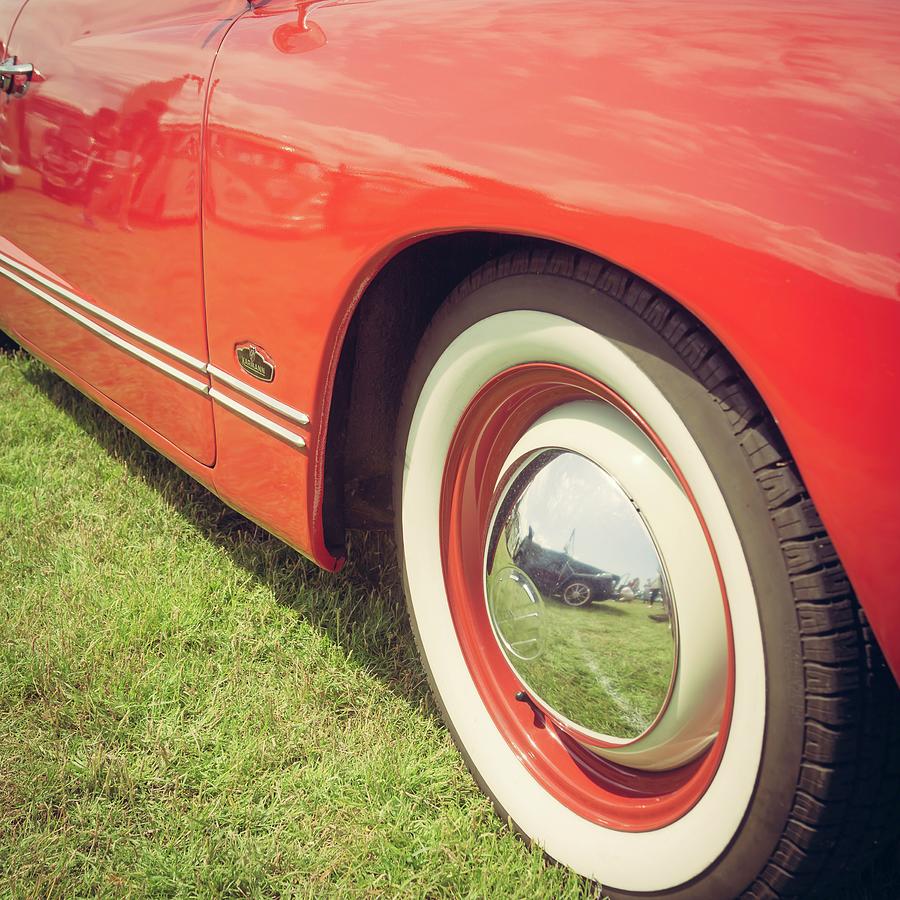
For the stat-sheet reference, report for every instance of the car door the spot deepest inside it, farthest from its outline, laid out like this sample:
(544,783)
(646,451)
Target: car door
(100,238)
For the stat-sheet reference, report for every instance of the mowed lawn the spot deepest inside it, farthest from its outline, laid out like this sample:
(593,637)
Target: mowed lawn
(188,707)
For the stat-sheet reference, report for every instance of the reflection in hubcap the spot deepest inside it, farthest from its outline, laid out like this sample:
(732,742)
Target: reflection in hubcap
(577,594)
(517,612)
(578,598)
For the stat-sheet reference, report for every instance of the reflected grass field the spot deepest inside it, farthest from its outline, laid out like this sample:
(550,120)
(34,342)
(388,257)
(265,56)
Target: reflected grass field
(606,666)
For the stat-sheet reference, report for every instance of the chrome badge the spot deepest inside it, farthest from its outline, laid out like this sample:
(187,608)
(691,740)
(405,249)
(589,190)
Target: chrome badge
(255,361)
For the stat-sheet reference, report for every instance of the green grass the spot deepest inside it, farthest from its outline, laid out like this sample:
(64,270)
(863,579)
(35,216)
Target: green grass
(188,707)
(622,699)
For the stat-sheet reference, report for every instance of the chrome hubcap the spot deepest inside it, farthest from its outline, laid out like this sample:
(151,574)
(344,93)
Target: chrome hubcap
(602,589)
(578,597)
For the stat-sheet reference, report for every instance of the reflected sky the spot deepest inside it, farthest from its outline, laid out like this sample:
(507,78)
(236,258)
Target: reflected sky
(573,506)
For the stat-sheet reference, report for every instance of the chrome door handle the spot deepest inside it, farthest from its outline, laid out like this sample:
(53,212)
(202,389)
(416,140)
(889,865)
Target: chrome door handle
(15,76)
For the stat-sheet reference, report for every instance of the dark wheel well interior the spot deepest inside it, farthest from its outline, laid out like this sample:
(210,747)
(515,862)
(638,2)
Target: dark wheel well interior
(384,332)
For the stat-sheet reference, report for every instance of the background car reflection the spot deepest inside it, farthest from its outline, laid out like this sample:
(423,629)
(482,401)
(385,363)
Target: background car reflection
(558,575)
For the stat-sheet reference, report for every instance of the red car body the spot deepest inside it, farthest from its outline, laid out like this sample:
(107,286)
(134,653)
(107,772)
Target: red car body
(247,173)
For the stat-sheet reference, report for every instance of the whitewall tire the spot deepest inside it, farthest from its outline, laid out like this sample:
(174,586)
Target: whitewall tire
(550,354)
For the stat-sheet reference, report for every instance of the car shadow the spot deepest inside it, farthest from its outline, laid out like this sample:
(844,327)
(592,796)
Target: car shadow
(361,608)
(606,608)
(601,607)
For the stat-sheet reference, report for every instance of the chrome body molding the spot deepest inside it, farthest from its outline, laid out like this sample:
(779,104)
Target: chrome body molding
(132,349)
(263,399)
(255,418)
(172,352)
(15,271)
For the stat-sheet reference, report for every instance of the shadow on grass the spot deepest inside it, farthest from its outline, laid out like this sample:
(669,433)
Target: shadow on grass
(361,608)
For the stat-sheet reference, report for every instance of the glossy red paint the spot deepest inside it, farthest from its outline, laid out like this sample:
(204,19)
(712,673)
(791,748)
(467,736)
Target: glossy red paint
(596,789)
(103,164)
(9,9)
(181,459)
(741,157)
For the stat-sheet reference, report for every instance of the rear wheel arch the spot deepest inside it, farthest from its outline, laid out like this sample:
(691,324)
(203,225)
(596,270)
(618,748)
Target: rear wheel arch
(391,317)
(376,351)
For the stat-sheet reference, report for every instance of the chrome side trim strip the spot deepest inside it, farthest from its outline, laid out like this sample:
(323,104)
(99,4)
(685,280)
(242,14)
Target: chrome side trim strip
(277,406)
(256,419)
(148,339)
(195,385)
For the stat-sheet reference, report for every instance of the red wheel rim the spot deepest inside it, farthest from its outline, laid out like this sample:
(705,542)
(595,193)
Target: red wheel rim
(596,789)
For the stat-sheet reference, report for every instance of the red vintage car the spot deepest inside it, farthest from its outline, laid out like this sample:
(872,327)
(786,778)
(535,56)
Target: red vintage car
(609,283)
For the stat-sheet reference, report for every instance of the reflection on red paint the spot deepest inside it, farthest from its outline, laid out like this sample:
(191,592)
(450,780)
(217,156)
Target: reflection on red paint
(743,158)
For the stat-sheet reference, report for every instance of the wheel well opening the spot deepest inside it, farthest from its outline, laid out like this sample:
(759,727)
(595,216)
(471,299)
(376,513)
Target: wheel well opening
(384,333)
(382,337)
